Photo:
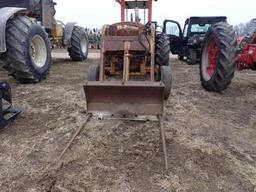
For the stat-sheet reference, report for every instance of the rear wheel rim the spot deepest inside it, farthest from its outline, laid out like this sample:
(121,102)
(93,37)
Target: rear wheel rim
(83,44)
(209,58)
(38,51)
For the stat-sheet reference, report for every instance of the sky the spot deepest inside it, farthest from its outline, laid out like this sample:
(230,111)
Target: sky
(96,13)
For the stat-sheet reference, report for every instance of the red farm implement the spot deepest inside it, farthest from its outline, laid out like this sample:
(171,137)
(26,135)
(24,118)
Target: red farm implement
(222,56)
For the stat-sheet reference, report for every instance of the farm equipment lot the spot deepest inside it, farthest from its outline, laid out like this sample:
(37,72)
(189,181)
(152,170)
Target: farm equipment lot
(211,137)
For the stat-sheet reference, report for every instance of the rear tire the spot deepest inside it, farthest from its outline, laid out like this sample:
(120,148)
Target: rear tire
(93,74)
(28,55)
(219,57)
(166,78)
(78,51)
(162,50)
(192,56)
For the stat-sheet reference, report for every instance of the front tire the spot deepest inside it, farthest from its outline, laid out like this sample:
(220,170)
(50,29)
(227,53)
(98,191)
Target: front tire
(93,74)
(219,57)
(162,50)
(78,50)
(28,56)
(192,56)
(166,78)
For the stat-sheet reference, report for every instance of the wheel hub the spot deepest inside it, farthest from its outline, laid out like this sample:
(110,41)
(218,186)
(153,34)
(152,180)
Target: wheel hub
(84,44)
(38,51)
(212,56)
(209,58)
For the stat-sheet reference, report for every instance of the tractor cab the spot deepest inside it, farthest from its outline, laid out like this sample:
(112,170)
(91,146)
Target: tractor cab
(189,43)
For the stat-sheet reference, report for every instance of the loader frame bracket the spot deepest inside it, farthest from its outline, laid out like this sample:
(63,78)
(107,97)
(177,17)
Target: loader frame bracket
(10,113)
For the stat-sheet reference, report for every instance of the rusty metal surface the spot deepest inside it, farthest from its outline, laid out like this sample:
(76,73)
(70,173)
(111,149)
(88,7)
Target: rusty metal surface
(126,50)
(128,23)
(133,97)
(126,67)
(152,50)
(123,29)
(127,31)
(116,43)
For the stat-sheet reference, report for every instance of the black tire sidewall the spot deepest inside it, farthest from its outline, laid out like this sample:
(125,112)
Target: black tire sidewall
(37,29)
(159,52)
(210,34)
(93,74)
(226,57)
(83,35)
(75,50)
(166,78)
(191,58)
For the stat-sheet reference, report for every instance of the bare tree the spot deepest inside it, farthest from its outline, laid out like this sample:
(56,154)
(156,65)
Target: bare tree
(245,28)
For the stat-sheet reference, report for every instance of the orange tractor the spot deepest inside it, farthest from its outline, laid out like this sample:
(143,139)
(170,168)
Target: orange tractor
(134,75)
(222,55)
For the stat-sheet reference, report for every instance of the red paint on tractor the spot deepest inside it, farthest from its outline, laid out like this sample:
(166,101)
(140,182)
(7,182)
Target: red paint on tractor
(247,58)
(122,10)
(149,10)
(247,55)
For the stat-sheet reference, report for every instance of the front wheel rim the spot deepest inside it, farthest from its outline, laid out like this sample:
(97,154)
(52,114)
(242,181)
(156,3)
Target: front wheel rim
(209,58)
(38,51)
(83,44)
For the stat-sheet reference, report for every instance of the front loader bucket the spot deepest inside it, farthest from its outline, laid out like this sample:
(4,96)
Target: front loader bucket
(130,98)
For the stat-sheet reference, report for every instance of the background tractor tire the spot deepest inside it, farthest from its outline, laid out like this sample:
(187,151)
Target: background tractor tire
(166,78)
(219,57)
(181,57)
(192,56)
(93,74)
(28,55)
(162,50)
(78,50)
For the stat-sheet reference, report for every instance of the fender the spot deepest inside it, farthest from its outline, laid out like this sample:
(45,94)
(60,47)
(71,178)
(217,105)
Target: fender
(68,33)
(5,14)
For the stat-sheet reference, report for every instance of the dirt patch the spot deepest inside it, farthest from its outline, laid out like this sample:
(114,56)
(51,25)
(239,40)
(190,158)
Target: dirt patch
(210,138)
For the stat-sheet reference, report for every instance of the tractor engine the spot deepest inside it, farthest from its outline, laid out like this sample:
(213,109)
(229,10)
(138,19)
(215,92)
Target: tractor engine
(139,59)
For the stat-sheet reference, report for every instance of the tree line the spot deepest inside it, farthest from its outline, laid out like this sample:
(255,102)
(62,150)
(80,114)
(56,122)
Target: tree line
(245,28)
